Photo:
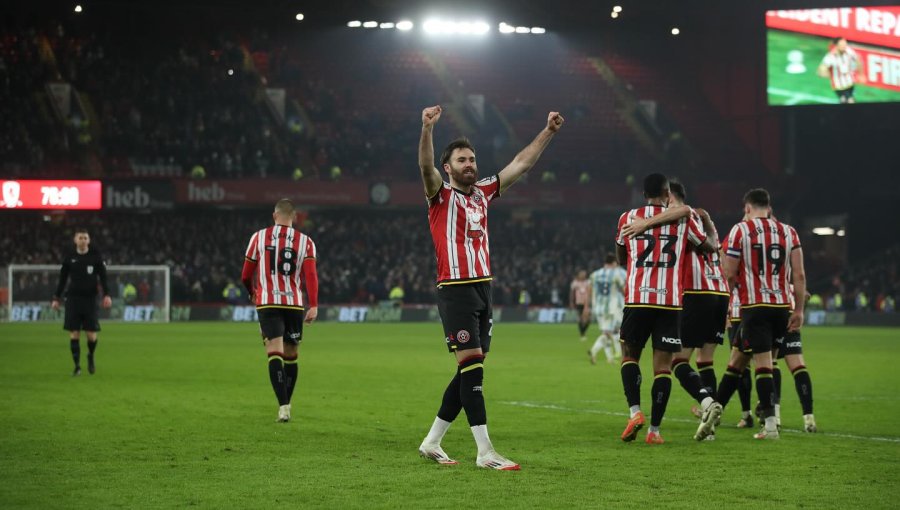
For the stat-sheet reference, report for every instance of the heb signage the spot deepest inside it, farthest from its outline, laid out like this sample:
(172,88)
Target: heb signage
(34,194)
(870,25)
(269,191)
(138,195)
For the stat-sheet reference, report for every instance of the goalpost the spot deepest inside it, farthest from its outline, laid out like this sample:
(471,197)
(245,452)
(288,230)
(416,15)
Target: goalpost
(139,293)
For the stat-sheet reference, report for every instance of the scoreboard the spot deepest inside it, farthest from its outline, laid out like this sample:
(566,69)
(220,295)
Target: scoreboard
(40,194)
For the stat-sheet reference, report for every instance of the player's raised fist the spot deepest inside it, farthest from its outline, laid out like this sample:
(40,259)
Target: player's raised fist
(431,115)
(554,121)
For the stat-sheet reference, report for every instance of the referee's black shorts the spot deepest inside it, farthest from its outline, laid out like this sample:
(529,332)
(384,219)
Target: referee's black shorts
(81,314)
(467,315)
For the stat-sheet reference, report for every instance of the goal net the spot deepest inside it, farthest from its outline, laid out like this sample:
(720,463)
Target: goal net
(139,293)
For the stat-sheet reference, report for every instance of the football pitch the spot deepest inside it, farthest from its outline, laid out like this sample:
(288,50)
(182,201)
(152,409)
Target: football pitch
(182,415)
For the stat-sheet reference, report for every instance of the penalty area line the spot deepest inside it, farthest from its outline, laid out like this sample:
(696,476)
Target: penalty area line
(554,407)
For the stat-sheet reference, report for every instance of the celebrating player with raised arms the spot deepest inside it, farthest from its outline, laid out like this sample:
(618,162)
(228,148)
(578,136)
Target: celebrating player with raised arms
(457,213)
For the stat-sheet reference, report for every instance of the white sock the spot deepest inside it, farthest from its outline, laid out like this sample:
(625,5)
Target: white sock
(480,433)
(608,347)
(654,429)
(706,402)
(770,423)
(634,410)
(598,344)
(778,412)
(436,434)
(745,414)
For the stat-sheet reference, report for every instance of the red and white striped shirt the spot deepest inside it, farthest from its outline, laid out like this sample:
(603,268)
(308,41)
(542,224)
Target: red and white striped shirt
(702,272)
(763,247)
(842,67)
(655,258)
(279,253)
(460,233)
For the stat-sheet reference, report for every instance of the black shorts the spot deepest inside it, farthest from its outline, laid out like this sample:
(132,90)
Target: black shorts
(81,314)
(844,95)
(281,322)
(703,320)
(790,344)
(467,315)
(738,342)
(764,326)
(639,323)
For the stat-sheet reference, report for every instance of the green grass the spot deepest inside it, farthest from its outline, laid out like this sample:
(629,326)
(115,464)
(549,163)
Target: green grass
(808,87)
(183,415)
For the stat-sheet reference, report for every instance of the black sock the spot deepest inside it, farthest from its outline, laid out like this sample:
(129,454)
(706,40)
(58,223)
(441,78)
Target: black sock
(729,384)
(707,375)
(745,387)
(91,346)
(471,376)
(451,405)
(804,389)
(689,379)
(631,381)
(75,347)
(276,375)
(765,389)
(662,388)
(291,371)
(776,381)
(583,327)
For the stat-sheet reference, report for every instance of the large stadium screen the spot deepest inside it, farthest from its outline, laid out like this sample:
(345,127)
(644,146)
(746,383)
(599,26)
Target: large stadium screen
(33,194)
(833,56)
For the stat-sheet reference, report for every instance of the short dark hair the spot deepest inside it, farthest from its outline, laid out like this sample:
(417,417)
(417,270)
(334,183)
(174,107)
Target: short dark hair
(460,143)
(81,230)
(611,257)
(758,197)
(677,189)
(655,185)
(284,207)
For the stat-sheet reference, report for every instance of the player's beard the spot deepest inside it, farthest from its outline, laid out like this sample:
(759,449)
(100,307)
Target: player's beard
(464,177)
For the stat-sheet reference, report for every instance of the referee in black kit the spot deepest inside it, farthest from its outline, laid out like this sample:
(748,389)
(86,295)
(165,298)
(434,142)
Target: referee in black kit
(86,267)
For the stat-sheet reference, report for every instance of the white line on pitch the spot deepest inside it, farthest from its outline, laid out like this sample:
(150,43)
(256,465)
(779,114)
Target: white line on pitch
(536,405)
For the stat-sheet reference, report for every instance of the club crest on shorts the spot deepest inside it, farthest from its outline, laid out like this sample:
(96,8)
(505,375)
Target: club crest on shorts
(463,336)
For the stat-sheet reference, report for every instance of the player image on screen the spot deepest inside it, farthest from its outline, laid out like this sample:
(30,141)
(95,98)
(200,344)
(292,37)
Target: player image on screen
(837,55)
(277,260)
(457,213)
(86,268)
(841,66)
